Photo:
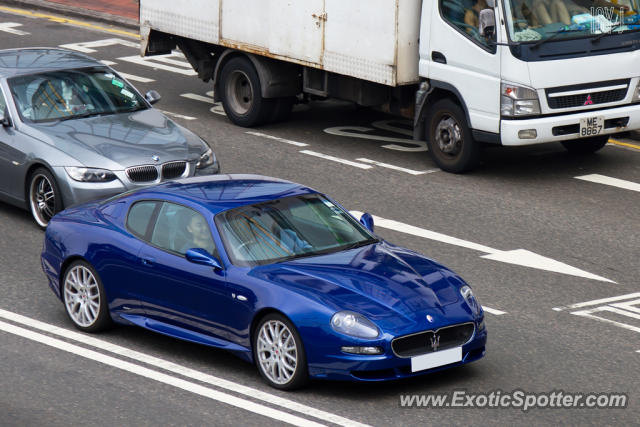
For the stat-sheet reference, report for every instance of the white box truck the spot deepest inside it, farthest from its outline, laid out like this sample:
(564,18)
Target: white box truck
(468,72)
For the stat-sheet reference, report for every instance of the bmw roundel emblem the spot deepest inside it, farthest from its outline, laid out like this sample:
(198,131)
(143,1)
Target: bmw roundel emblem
(155,158)
(430,318)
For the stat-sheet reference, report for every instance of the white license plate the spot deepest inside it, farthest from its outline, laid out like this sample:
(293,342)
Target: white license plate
(433,360)
(591,127)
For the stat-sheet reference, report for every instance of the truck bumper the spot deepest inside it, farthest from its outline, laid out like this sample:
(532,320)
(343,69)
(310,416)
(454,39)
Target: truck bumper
(565,128)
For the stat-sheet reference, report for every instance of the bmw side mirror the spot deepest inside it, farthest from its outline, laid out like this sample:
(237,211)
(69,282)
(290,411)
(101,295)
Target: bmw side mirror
(367,220)
(6,121)
(202,257)
(152,97)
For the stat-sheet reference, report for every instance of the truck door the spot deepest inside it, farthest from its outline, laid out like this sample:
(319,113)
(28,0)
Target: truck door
(297,29)
(460,58)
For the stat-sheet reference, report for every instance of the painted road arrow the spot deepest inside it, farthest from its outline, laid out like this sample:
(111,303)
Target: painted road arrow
(520,257)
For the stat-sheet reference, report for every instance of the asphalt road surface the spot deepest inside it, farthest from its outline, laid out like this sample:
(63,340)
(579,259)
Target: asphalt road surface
(533,239)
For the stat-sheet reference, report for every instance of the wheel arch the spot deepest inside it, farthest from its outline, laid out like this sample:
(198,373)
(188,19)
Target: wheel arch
(27,177)
(277,78)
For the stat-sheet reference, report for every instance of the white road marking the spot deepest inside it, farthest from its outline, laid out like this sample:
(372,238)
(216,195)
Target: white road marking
(599,301)
(179,369)
(179,116)
(589,314)
(90,47)
(107,62)
(10,27)
(135,369)
(613,182)
(520,257)
(276,138)
(336,159)
(397,168)
(170,62)
(127,76)
(197,97)
(493,311)
(361,133)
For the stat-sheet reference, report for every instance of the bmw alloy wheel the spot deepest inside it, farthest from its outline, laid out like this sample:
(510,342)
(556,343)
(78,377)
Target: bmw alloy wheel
(42,198)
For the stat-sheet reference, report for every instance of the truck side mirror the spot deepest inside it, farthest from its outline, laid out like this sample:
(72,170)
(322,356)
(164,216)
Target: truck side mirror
(5,120)
(487,23)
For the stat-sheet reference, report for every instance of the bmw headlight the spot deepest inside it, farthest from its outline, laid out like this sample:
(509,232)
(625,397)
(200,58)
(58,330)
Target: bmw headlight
(90,174)
(354,324)
(518,101)
(206,159)
(470,299)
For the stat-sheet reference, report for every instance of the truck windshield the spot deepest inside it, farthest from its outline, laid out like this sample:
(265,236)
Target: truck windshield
(541,20)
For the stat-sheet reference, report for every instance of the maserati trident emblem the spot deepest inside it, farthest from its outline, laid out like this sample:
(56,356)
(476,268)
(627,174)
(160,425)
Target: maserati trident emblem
(430,318)
(435,342)
(589,101)
(155,158)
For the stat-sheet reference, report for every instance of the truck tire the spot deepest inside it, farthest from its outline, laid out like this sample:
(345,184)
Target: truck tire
(586,145)
(449,138)
(242,94)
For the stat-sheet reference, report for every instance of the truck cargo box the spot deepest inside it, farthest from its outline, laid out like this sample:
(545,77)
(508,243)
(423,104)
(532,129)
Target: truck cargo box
(374,40)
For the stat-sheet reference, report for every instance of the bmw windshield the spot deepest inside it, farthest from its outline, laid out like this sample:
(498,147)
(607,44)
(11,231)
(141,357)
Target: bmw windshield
(543,20)
(289,228)
(69,94)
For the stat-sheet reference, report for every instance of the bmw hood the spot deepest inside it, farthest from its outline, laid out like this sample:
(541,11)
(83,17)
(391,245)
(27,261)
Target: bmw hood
(119,141)
(378,280)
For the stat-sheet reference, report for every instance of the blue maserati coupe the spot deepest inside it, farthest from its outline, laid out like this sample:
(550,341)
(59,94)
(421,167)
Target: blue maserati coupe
(270,270)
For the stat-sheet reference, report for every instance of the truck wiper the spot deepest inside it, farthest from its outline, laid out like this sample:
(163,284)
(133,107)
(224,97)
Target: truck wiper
(555,35)
(607,33)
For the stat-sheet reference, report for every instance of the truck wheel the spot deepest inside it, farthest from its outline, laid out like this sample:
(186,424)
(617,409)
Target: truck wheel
(449,138)
(586,145)
(242,94)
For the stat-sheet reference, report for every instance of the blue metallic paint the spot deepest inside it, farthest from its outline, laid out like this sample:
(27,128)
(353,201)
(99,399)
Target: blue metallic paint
(393,287)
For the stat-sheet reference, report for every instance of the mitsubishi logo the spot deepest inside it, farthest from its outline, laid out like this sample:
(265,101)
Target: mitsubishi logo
(589,101)
(435,342)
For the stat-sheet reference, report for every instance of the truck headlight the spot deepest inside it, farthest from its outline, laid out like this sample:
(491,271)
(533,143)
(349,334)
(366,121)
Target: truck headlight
(636,93)
(90,174)
(518,101)
(354,324)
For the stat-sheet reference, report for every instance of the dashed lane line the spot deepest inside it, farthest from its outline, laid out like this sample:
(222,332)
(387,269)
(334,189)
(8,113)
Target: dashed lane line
(336,159)
(396,168)
(493,311)
(276,138)
(613,182)
(180,370)
(598,302)
(197,97)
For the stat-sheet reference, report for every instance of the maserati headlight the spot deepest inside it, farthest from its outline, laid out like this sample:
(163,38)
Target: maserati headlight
(206,159)
(518,101)
(470,299)
(90,174)
(354,324)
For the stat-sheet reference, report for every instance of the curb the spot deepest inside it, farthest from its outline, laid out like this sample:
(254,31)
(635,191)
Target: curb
(77,12)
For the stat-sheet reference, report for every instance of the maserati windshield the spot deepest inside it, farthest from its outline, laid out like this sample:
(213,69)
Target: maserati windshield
(541,20)
(289,228)
(70,94)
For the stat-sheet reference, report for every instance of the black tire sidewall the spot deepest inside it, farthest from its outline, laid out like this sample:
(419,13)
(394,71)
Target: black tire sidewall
(301,376)
(468,156)
(103,321)
(58,205)
(261,108)
(586,145)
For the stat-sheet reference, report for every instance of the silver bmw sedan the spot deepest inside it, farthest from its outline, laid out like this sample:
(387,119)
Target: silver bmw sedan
(73,130)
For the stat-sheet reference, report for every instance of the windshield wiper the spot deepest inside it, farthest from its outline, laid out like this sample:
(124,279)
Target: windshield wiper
(83,116)
(330,250)
(608,32)
(554,36)
(359,244)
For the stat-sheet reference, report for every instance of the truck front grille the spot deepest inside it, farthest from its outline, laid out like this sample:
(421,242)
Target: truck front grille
(587,95)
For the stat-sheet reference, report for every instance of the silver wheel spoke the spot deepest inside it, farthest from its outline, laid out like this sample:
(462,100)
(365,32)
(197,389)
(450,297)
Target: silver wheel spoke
(82,296)
(277,352)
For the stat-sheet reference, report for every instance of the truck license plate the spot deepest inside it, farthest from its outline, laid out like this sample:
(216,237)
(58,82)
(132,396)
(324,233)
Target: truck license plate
(591,127)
